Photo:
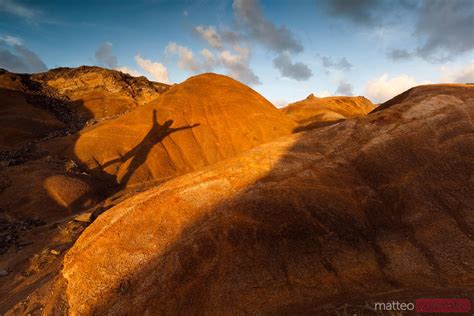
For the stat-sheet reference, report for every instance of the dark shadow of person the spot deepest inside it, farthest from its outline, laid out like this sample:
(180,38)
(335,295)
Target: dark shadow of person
(139,153)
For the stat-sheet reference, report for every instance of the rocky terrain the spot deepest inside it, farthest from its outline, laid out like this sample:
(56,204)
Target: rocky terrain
(205,119)
(317,112)
(203,198)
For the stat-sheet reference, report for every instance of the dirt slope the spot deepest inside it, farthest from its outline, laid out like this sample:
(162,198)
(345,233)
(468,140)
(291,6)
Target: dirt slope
(378,204)
(203,120)
(21,119)
(313,110)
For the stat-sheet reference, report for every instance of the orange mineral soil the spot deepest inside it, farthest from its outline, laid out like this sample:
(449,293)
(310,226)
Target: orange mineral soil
(121,196)
(315,112)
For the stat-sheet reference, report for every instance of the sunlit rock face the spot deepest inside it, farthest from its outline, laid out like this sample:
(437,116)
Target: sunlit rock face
(98,93)
(377,204)
(203,120)
(316,112)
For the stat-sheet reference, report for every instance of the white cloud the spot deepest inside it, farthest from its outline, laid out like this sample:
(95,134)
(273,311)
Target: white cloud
(11,40)
(459,75)
(186,58)
(238,66)
(323,94)
(209,60)
(279,103)
(188,61)
(210,35)
(384,88)
(207,54)
(14,8)
(236,63)
(130,71)
(228,58)
(157,70)
(185,13)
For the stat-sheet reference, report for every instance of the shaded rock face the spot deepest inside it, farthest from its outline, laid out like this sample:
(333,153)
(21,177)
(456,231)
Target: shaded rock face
(379,204)
(40,189)
(21,120)
(201,121)
(316,112)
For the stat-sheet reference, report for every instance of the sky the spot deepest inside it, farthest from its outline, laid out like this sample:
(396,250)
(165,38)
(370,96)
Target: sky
(285,50)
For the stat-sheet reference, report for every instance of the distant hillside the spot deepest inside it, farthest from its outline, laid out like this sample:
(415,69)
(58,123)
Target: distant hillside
(314,111)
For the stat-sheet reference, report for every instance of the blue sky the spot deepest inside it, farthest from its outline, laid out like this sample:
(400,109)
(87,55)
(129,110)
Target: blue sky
(283,49)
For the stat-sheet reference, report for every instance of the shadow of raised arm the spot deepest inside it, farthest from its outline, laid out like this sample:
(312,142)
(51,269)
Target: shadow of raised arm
(171,130)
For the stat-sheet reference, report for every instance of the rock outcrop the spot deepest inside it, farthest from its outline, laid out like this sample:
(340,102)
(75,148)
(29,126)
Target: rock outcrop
(98,93)
(377,204)
(315,112)
(63,100)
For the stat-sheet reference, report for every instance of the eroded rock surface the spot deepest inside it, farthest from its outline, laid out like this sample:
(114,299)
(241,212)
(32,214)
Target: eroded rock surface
(378,204)
(315,112)
(205,119)
(100,93)
(60,157)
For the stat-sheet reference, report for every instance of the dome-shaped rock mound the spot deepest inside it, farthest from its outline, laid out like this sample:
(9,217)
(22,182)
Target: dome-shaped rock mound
(378,204)
(205,119)
(37,189)
(314,111)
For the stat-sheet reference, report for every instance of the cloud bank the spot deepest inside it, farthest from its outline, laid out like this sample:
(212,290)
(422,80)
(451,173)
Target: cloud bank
(441,28)
(157,70)
(383,88)
(210,35)
(278,39)
(459,75)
